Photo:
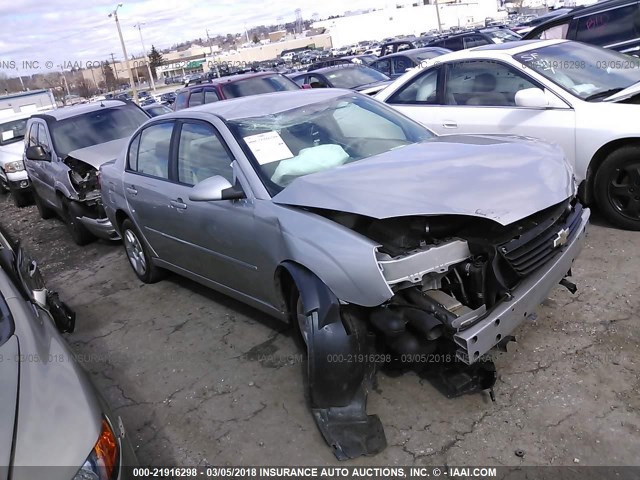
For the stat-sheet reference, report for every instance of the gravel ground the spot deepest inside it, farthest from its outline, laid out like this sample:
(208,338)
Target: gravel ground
(201,379)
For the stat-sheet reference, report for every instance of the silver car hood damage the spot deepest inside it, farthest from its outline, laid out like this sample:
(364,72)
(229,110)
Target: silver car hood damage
(96,155)
(502,178)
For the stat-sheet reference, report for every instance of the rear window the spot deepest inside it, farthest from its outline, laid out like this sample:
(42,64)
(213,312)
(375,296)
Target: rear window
(258,85)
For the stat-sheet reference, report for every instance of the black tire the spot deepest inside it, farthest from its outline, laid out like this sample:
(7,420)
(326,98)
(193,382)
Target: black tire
(21,199)
(80,235)
(44,211)
(4,188)
(617,187)
(138,254)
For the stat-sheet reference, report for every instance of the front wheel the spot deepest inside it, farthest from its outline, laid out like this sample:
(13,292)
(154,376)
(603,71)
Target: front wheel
(21,199)
(617,187)
(79,233)
(138,254)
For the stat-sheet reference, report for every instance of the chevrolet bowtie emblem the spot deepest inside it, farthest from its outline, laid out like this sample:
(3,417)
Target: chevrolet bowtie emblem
(561,238)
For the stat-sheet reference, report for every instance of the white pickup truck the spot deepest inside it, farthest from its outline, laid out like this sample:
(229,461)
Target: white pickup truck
(13,176)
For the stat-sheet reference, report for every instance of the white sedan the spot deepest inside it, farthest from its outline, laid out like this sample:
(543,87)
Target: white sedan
(582,97)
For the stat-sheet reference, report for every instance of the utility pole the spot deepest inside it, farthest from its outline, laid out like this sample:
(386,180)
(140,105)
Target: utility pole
(211,54)
(124,51)
(438,15)
(115,69)
(146,57)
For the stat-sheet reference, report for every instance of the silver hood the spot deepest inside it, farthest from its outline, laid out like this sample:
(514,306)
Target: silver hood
(96,155)
(502,178)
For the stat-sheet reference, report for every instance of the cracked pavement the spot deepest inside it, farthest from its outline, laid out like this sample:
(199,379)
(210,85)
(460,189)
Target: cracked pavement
(199,378)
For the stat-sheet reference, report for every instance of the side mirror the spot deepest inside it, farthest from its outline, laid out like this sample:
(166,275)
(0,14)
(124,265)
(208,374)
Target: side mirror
(215,188)
(532,98)
(36,152)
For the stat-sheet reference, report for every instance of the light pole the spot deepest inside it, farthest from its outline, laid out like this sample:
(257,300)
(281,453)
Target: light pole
(146,58)
(124,51)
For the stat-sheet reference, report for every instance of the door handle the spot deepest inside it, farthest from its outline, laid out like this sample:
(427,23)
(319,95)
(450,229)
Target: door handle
(449,124)
(132,190)
(178,203)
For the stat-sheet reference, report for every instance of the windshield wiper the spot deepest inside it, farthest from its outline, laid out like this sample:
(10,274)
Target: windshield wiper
(605,93)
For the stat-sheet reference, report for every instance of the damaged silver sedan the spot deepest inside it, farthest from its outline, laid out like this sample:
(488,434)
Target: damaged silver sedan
(378,240)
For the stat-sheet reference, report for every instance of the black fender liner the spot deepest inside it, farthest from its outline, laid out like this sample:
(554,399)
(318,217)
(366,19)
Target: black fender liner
(339,367)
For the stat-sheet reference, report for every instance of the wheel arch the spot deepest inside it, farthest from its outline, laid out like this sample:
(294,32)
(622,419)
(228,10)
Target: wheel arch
(586,194)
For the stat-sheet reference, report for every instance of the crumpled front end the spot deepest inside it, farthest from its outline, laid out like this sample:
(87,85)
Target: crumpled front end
(87,206)
(459,288)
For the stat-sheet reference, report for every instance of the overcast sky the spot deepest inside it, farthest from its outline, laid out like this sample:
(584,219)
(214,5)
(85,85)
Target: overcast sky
(80,30)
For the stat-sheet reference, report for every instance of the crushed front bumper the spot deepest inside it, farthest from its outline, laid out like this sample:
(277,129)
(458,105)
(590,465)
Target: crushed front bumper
(100,227)
(475,341)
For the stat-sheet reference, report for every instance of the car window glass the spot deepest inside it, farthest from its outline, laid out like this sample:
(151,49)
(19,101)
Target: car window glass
(352,117)
(317,82)
(383,66)
(153,153)
(33,135)
(420,90)
(611,26)
(471,41)
(483,83)
(453,43)
(401,64)
(197,98)
(181,100)
(133,153)
(201,154)
(210,96)
(555,32)
(300,80)
(43,140)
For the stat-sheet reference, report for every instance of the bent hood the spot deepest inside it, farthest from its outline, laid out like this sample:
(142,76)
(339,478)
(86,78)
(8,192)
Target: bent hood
(96,155)
(503,178)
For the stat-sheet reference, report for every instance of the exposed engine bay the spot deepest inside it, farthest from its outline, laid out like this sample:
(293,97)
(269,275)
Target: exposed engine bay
(84,179)
(447,275)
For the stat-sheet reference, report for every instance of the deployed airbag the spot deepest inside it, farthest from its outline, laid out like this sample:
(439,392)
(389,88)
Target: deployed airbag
(310,160)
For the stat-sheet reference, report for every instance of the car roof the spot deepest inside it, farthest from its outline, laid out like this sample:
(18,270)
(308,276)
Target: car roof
(414,52)
(263,104)
(229,79)
(15,116)
(582,10)
(342,66)
(75,110)
(507,48)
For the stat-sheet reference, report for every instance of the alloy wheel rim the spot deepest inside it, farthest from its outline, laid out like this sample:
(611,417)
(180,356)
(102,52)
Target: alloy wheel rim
(135,252)
(624,190)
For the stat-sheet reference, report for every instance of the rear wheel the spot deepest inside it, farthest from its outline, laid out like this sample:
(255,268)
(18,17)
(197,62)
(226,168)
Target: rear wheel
(617,187)
(79,233)
(138,254)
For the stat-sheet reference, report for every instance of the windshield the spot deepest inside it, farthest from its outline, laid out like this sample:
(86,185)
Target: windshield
(585,71)
(322,136)
(354,76)
(12,131)
(93,128)
(258,85)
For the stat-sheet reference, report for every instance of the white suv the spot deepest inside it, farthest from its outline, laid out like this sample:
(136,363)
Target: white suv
(13,176)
